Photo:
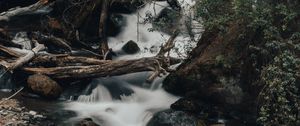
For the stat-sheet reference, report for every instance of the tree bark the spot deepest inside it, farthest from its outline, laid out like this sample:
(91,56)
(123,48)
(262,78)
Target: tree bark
(23,60)
(103,27)
(106,68)
(102,68)
(10,51)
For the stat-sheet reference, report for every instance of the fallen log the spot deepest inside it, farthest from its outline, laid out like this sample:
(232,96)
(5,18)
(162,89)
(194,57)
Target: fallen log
(53,41)
(5,16)
(103,27)
(65,59)
(10,51)
(23,60)
(104,68)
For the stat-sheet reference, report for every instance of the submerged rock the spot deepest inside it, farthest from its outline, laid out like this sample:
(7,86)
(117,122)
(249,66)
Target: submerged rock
(43,85)
(87,122)
(173,118)
(185,104)
(131,47)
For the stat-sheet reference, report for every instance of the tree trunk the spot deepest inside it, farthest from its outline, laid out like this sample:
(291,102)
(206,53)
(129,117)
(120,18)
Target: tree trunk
(103,27)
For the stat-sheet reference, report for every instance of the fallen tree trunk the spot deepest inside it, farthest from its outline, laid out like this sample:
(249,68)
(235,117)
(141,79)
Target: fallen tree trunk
(106,68)
(103,27)
(103,68)
(23,60)
(64,60)
(10,51)
(5,16)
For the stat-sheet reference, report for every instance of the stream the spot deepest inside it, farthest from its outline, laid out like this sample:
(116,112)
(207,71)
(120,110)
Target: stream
(126,100)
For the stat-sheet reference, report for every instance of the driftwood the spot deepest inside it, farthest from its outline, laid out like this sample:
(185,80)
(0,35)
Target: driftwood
(102,68)
(23,60)
(10,51)
(103,27)
(107,68)
(5,16)
(54,41)
(70,66)
(65,59)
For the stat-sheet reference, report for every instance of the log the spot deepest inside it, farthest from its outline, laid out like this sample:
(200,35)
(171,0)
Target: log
(23,60)
(107,68)
(64,60)
(10,51)
(53,41)
(103,27)
(5,16)
(103,68)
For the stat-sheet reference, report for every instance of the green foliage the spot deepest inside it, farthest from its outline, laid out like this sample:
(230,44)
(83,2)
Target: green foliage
(275,50)
(279,97)
(213,13)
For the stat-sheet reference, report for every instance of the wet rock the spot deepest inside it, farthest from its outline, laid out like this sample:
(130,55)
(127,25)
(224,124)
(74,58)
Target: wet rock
(131,47)
(32,113)
(44,86)
(87,122)
(185,104)
(173,118)
(10,117)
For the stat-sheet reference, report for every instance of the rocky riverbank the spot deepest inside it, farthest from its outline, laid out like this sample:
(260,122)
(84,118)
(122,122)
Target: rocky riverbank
(13,114)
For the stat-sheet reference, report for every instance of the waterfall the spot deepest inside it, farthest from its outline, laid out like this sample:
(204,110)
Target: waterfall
(135,109)
(128,100)
(100,93)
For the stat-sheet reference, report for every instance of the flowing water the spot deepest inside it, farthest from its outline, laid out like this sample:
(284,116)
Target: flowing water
(128,100)
(139,101)
(134,107)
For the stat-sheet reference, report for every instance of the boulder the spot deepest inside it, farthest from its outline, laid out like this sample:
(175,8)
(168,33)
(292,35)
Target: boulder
(174,118)
(188,105)
(44,86)
(131,47)
(87,122)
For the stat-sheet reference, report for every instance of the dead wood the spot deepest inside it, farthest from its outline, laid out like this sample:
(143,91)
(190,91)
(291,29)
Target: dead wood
(23,60)
(103,27)
(10,51)
(5,16)
(54,41)
(102,68)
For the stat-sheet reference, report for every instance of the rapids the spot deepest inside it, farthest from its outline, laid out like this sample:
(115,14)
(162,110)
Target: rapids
(128,100)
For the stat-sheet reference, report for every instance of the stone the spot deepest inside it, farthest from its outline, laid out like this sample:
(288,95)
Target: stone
(131,47)
(185,104)
(173,118)
(32,113)
(87,122)
(45,86)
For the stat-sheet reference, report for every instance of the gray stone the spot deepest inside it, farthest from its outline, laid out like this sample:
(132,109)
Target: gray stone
(173,118)
(131,47)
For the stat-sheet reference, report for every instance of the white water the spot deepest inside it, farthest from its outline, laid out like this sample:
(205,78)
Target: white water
(139,31)
(133,110)
(137,108)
